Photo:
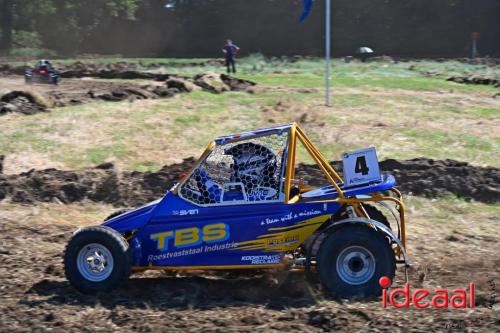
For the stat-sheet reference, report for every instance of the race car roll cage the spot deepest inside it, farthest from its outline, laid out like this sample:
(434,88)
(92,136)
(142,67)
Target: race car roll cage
(296,133)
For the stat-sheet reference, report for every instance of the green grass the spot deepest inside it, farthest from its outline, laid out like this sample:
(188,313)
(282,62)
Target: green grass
(98,155)
(188,120)
(465,147)
(486,112)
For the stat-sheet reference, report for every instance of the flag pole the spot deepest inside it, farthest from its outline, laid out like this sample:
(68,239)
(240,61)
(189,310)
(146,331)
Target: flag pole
(328,50)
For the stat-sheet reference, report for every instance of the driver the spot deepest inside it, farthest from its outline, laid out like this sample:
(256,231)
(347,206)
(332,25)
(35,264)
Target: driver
(44,64)
(254,166)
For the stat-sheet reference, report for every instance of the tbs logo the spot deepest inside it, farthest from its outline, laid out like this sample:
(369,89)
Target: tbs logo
(423,298)
(189,237)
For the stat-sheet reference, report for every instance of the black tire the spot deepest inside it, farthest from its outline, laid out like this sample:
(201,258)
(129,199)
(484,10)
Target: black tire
(351,238)
(377,215)
(115,214)
(116,245)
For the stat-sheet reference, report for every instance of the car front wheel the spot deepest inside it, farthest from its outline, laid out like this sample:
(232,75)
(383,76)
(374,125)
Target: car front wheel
(97,259)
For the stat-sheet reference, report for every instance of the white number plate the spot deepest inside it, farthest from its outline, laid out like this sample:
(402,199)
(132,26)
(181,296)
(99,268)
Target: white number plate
(361,167)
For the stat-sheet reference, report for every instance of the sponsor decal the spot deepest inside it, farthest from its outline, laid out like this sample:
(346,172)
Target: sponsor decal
(191,237)
(263,192)
(185,212)
(192,251)
(262,259)
(287,241)
(291,216)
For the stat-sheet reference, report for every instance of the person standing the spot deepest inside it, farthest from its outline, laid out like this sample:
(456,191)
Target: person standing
(230,51)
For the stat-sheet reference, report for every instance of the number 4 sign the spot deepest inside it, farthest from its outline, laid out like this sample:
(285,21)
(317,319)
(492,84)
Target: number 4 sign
(361,167)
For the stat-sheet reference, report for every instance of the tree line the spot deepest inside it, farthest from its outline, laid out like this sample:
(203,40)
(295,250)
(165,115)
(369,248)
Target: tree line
(198,27)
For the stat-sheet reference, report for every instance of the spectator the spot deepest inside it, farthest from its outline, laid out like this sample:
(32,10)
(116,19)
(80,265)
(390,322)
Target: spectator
(230,51)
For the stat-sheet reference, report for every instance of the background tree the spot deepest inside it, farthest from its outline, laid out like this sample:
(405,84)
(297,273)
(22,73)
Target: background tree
(63,24)
(6,17)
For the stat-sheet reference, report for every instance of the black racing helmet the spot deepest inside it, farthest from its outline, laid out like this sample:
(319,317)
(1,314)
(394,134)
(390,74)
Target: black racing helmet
(43,64)
(254,164)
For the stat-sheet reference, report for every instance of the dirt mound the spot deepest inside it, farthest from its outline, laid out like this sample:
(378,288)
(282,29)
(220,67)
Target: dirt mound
(127,93)
(73,91)
(236,84)
(211,82)
(127,70)
(101,184)
(218,83)
(475,80)
(292,112)
(86,68)
(181,84)
(7,69)
(422,177)
(432,178)
(26,102)
(111,74)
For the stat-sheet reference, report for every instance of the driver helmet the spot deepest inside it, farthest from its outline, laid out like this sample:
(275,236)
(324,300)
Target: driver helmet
(254,164)
(42,63)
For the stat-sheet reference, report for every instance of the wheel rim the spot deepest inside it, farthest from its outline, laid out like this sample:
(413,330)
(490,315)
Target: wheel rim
(355,265)
(95,262)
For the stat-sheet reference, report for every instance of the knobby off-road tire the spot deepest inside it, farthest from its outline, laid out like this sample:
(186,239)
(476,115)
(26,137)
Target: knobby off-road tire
(115,214)
(377,215)
(352,260)
(97,259)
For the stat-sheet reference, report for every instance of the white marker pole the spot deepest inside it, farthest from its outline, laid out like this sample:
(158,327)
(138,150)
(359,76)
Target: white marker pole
(328,45)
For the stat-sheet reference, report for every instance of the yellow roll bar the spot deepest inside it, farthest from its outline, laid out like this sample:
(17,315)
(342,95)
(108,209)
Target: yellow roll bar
(296,133)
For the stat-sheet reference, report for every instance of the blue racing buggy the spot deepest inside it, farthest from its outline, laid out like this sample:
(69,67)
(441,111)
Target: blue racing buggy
(240,207)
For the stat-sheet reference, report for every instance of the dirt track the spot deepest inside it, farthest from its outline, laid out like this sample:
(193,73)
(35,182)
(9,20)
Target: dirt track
(35,295)
(422,177)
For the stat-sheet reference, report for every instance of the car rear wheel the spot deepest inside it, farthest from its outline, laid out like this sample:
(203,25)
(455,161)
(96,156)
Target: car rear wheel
(97,259)
(352,260)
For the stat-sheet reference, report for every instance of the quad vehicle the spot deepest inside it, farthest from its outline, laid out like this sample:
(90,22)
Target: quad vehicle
(240,207)
(43,72)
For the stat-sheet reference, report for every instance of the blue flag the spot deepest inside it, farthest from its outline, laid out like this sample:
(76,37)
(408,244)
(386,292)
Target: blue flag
(307,10)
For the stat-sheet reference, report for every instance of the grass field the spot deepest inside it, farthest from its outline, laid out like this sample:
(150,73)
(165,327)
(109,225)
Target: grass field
(398,108)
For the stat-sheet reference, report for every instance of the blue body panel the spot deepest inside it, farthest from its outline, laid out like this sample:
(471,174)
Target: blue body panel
(174,232)
(328,192)
(134,219)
